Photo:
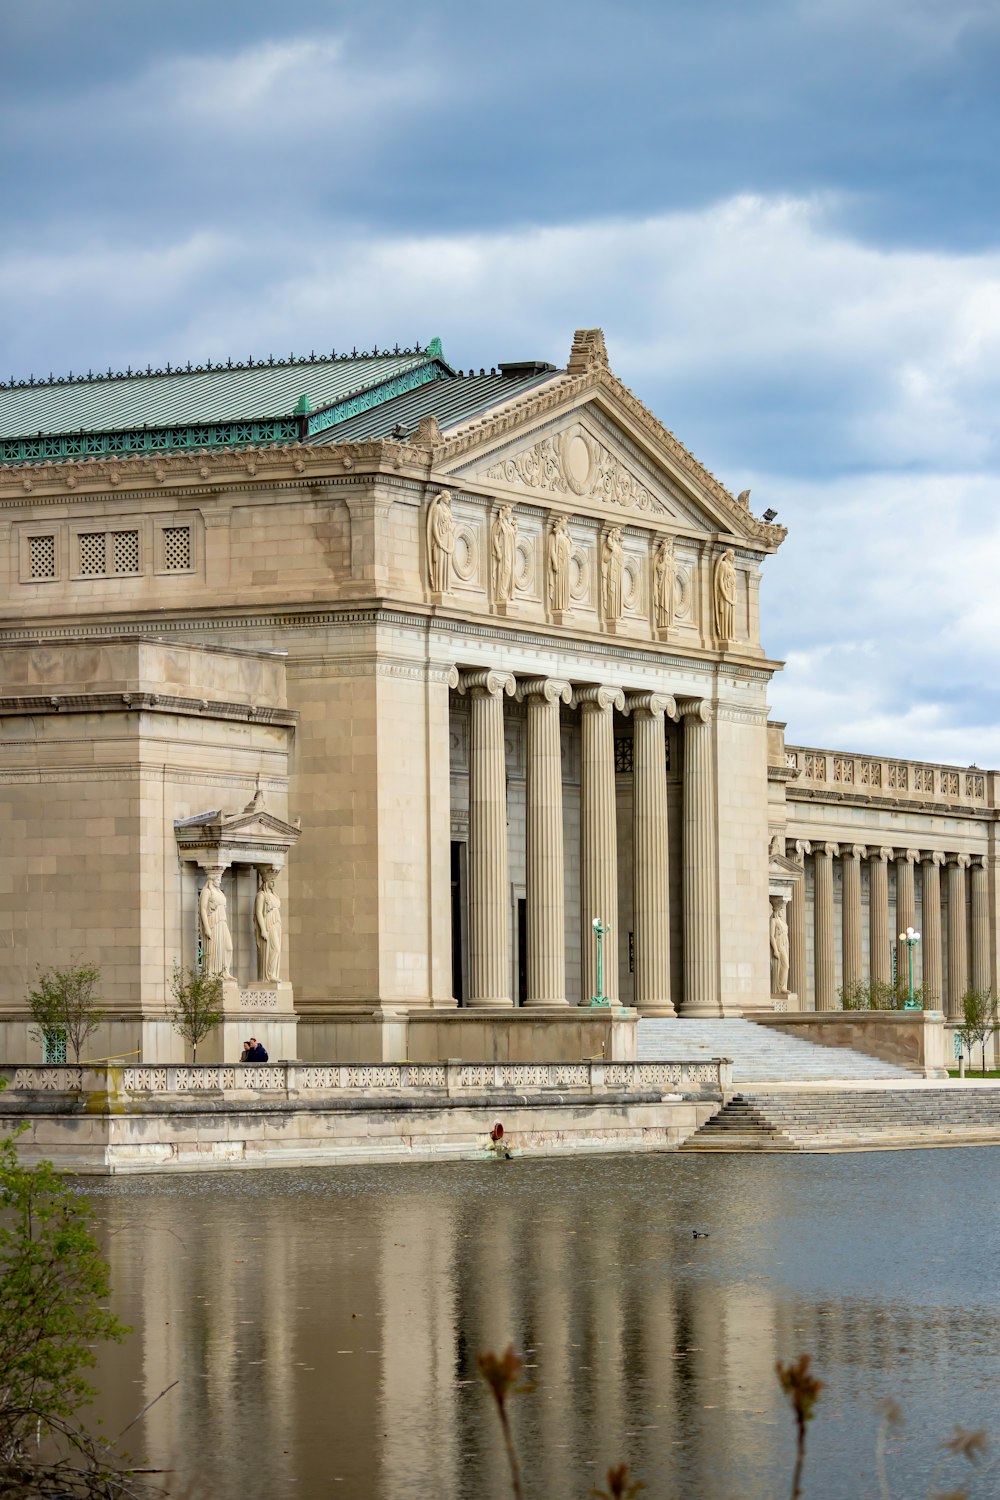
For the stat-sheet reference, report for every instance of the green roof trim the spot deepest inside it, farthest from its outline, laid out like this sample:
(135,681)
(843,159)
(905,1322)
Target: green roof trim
(387,391)
(49,449)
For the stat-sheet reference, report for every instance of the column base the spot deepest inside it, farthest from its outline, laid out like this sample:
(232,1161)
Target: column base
(546,1005)
(493,1002)
(664,1008)
(710,1012)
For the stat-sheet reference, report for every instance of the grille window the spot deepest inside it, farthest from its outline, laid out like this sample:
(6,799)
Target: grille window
(125,551)
(53,1044)
(93,551)
(176,549)
(41,557)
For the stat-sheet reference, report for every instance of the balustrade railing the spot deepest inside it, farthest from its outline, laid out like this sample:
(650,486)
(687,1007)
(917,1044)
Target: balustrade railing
(875,777)
(142,1080)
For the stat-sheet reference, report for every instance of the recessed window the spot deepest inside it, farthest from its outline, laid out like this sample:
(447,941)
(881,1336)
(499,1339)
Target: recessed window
(176,549)
(125,552)
(93,551)
(41,557)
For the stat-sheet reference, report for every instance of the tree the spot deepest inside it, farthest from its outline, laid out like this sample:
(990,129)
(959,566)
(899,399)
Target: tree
(65,1002)
(979,1021)
(879,994)
(53,1291)
(198,1007)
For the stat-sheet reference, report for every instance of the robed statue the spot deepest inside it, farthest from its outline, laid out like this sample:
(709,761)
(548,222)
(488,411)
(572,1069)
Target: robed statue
(216,939)
(440,542)
(560,550)
(779,950)
(725,596)
(267,921)
(664,571)
(612,565)
(503,545)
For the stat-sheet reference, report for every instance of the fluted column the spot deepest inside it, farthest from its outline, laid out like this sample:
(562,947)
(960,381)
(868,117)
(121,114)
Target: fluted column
(880,942)
(702,996)
(489,881)
(797,966)
(980,900)
(930,930)
(651,898)
(826,973)
(598,835)
(545,873)
(906,905)
(853,949)
(958,948)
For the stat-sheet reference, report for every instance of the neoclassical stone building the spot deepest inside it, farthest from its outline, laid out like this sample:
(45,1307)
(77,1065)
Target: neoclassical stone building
(375,685)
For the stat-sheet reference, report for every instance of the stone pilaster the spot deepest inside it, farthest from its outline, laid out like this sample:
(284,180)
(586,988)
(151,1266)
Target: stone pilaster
(651,899)
(797,965)
(598,835)
(906,907)
(958,948)
(545,872)
(930,931)
(702,995)
(853,949)
(880,942)
(980,900)
(489,881)
(826,973)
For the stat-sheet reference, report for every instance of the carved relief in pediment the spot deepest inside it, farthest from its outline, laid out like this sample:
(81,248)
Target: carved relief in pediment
(575,462)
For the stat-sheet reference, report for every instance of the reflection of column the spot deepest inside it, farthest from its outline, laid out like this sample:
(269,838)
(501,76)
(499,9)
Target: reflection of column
(489,882)
(853,951)
(958,956)
(906,906)
(598,834)
(651,902)
(979,890)
(826,974)
(545,874)
(930,931)
(797,968)
(880,944)
(701,879)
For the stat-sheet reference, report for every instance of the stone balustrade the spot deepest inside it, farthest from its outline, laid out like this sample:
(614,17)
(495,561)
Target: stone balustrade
(361,1080)
(904,781)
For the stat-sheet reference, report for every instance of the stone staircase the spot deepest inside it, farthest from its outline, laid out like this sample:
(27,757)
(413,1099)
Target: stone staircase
(758,1054)
(860,1119)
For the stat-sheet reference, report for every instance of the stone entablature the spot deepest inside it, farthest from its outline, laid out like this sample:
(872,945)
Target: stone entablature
(882,781)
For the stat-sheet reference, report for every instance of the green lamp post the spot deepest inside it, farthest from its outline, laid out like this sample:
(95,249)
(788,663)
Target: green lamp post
(600,928)
(911,939)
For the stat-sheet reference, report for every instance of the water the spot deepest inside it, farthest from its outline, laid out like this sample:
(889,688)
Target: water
(323,1324)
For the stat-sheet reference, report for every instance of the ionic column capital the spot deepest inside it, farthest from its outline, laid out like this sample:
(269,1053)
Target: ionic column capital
(932,857)
(599,699)
(854,851)
(962,861)
(488,681)
(831,850)
(911,856)
(799,848)
(655,704)
(452,677)
(883,854)
(978,861)
(551,689)
(698,710)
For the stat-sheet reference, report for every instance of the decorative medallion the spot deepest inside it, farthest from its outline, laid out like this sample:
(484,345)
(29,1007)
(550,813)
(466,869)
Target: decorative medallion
(524,565)
(579,576)
(465,559)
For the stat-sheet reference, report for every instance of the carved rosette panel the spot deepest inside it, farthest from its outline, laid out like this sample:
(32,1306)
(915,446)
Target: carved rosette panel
(525,571)
(465,560)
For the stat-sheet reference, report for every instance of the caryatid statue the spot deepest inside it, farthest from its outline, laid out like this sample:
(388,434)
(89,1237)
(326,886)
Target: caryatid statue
(560,551)
(779,949)
(217,940)
(664,571)
(612,564)
(725,596)
(440,542)
(502,545)
(267,922)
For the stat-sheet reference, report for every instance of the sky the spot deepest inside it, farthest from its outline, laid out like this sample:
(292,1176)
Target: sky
(785,214)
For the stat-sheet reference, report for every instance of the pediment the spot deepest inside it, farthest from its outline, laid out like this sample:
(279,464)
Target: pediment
(582,456)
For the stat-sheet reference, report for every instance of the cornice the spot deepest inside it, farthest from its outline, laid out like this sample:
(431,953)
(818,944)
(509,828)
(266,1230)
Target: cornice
(142,702)
(855,799)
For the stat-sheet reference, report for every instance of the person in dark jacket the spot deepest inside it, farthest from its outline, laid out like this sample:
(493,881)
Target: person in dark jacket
(256,1051)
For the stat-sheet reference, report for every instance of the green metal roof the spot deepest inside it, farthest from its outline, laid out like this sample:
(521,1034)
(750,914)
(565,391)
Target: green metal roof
(350,398)
(452,399)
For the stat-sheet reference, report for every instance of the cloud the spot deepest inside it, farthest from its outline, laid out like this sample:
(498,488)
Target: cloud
(854,388)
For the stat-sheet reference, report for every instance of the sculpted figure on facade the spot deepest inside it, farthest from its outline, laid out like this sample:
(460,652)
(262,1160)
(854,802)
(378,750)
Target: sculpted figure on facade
(440,542)
(217,940)
(502,546)
(267,922)
(612,564)
(560,549)
(779,949)
(725,596)
(664,571)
